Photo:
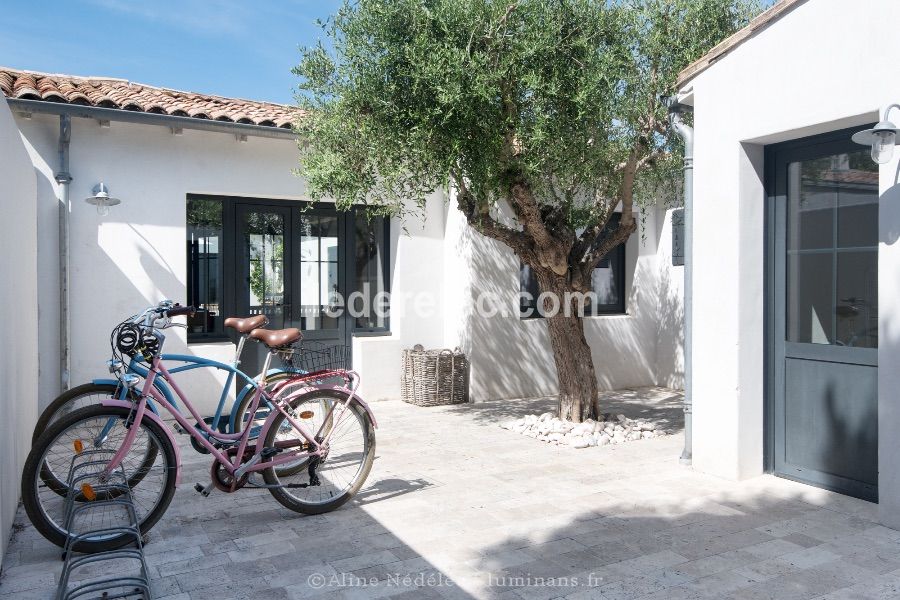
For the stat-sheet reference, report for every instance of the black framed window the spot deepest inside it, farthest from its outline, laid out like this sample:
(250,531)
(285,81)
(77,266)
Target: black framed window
(307,267)
(205,281)
(369,270)
(607,284)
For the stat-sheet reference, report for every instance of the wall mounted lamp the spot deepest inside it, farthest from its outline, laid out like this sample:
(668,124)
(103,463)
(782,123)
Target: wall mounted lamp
(101,199)
(882,138)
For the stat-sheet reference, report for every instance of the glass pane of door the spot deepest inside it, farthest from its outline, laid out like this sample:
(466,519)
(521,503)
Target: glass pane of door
(832,251)
(319,262)
(263,248)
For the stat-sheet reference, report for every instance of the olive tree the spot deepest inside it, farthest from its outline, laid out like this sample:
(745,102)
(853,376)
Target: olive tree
(546,110)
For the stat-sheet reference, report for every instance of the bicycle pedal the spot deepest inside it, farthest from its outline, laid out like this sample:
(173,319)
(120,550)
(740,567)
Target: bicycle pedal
(269,452)
(204,491)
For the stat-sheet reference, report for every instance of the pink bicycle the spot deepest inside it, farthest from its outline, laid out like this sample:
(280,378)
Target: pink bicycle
(314,449)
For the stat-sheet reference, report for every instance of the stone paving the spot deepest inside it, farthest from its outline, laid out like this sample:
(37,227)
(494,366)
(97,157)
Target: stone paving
(457,507)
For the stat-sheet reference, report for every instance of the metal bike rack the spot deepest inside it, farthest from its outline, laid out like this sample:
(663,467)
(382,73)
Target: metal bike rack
(112,492)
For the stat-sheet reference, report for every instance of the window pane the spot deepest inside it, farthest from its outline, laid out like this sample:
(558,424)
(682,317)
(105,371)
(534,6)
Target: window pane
(318,270)
(529,292)
(603,283)
(810,220)
(858,201)
(608,278)
(832,251)
(810,314)
(264,249)
(369,276)
(204,268)
(857,299)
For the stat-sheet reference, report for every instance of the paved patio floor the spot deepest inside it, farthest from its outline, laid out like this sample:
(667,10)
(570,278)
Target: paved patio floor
(456,507)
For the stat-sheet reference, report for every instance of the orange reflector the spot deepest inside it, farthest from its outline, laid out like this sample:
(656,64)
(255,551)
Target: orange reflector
(307,414)
(88,491)
(79,447)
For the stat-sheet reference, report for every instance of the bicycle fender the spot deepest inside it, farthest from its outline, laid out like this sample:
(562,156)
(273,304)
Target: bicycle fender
(368,410)
(150,404)
(155,418)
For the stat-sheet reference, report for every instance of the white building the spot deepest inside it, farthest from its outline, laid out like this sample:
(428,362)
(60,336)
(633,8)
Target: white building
(795,332)
(206,186)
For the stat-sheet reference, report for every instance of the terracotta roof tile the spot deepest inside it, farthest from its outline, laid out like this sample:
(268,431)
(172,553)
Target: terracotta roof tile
(127,95)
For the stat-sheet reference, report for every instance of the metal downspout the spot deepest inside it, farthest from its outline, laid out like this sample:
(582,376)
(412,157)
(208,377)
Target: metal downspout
(676,112)
(63,178)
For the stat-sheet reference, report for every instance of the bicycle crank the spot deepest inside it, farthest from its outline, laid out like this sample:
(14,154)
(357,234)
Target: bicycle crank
(225,481)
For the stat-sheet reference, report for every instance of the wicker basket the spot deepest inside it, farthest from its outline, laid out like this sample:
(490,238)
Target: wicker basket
(434,377)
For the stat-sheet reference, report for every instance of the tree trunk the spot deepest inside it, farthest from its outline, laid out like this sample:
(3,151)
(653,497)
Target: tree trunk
(578,394)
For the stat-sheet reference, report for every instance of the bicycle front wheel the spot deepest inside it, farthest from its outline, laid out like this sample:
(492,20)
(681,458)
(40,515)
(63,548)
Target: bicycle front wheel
(91,428)
(315,485)
(88,394)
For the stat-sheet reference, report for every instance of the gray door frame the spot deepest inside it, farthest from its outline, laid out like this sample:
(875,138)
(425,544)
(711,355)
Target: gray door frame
(776,348)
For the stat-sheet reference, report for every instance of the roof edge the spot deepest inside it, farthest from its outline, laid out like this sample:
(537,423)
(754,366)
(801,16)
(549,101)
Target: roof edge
(760,22)
(105,78)
(130,96)
(27,106)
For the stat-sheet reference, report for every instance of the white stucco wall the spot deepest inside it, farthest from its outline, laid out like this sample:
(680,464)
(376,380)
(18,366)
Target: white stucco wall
(18,296)
(512,358)
(135,256)
(823,66)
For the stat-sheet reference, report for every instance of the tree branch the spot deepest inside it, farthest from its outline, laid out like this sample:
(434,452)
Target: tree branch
(554,250)
(479,218)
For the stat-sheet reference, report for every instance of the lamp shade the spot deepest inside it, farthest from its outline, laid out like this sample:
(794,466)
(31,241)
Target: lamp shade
(102,199)
(881,139)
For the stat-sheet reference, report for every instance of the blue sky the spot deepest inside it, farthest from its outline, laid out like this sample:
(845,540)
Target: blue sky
(240,48)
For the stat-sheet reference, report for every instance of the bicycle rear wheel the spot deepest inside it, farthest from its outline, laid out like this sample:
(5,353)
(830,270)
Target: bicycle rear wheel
(88,394)
(97,427)
(314,485)
(242,417)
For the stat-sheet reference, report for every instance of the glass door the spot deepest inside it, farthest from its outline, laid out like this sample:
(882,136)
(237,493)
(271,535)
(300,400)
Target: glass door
(824,314)
(319,281)
(263,263)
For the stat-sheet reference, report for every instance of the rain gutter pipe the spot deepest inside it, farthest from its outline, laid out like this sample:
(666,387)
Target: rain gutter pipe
(63,179)
(676,116)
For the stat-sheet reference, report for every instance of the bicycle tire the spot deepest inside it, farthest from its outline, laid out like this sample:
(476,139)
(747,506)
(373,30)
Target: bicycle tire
(30,475)
(270,475)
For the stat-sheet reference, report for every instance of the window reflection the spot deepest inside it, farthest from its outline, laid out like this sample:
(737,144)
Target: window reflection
(832,247)
(369,280)
(204,273)
(319,260)
(264,247)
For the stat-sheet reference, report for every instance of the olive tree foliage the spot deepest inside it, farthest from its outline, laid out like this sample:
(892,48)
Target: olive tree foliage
(548,108)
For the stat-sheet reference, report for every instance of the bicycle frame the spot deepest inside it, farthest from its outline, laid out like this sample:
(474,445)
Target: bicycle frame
(310,447)
(137,367)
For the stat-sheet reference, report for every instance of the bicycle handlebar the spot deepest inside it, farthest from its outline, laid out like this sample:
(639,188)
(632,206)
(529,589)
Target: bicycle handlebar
(177,311)
(164,310)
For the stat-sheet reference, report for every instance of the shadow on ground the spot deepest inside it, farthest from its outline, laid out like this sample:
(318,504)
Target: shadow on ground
(659,405)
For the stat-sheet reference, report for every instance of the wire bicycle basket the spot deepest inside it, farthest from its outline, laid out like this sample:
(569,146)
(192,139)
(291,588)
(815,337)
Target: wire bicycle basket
(313,356)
